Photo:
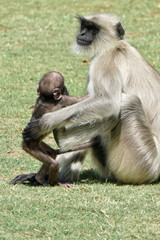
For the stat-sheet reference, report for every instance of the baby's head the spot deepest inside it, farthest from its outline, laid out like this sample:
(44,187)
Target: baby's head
(51,85)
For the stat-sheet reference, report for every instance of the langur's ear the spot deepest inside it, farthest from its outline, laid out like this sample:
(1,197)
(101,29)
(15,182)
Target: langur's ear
(38,89)
(57,94)
(120,31)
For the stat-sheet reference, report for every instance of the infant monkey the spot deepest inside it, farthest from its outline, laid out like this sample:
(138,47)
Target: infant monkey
(53,95)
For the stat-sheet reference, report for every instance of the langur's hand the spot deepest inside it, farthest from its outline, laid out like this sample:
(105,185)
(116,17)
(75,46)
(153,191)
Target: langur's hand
(39,128)
(33,131)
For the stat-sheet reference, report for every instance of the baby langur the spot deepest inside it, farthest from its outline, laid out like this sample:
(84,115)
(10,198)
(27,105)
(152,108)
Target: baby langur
(53,95)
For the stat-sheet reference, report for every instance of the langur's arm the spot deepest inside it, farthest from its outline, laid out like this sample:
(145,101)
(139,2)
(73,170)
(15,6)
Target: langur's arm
(70,100)
(90,111)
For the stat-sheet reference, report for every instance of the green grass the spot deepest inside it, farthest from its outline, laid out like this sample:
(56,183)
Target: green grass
(36,38)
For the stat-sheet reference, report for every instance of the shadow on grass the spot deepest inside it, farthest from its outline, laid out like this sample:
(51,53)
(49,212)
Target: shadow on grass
(88,176)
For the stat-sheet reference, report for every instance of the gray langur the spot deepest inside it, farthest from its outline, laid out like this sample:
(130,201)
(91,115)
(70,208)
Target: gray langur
(122,111)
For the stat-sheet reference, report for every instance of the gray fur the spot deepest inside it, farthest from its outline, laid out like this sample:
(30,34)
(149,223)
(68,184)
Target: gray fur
(124,107)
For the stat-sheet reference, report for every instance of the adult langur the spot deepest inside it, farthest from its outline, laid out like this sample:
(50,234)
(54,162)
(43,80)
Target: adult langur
(122,112)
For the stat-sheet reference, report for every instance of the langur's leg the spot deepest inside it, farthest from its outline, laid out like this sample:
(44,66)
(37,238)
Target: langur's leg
(42,175)
(48,174)
(134,150)
(70,164)
(53,173)
(40,151)
(48,149)
(45,154)
(100,155)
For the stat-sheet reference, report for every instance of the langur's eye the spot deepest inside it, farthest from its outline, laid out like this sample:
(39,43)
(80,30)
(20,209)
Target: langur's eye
(93,31)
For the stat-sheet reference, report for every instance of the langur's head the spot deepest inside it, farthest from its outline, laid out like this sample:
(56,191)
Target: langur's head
(98,33)
(51,85)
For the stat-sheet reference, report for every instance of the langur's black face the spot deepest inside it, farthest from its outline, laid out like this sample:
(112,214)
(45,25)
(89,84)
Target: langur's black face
(88,32)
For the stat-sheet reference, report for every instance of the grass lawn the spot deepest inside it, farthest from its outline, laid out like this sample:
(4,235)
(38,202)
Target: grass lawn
(35,38)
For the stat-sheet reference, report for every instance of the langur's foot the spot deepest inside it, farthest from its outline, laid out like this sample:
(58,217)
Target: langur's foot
(66,185)
(24,178)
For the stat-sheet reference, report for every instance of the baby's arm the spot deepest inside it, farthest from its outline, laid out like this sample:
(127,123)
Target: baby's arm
(70,100)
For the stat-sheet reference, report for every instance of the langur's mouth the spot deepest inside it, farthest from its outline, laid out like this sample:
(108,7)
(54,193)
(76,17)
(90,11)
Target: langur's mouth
(83,42)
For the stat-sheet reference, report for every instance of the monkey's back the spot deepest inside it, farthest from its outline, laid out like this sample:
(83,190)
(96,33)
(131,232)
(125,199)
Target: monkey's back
(43,106)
